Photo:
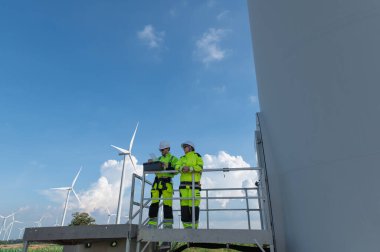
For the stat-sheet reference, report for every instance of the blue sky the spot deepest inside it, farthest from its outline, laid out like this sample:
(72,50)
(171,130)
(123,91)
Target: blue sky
(76,76)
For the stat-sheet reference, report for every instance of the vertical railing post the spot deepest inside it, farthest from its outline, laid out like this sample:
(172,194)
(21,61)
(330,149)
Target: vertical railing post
(128,245)
(26,246)
(248,212)
(259,201)
(141,208)
(207,213)
(193,200)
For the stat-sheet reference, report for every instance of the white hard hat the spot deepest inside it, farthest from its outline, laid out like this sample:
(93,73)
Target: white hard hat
(188,143)
(164,145)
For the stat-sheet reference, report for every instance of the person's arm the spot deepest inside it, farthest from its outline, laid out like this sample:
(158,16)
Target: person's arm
(173,163)
(198,167)
(179,164)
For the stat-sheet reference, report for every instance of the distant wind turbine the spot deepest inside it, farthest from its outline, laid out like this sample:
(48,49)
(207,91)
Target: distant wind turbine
(11,226)
(124,153)
(109,215)
(56,222)
(39,222)
(3,224)
(20,232)
(68,189)
(5,228)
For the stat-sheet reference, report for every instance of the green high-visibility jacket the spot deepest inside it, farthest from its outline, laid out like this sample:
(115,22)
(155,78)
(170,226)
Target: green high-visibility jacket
(193,160)
(171,161)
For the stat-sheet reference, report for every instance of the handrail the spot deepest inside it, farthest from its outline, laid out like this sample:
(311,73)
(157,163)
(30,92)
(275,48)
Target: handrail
(245,197)
(259,196)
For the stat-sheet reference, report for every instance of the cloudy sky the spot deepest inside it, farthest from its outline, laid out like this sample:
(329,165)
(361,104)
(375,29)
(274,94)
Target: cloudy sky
(77,76)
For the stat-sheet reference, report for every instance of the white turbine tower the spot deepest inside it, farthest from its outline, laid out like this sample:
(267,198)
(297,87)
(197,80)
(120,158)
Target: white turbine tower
(124,153)
(109,214)
(68,189)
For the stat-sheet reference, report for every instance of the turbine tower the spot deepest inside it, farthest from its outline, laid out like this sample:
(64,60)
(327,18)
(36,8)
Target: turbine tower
(317,68)
(123,152)
(68,189)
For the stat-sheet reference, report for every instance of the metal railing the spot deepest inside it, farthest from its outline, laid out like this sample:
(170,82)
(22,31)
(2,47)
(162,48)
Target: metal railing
(144,201)
(259,191)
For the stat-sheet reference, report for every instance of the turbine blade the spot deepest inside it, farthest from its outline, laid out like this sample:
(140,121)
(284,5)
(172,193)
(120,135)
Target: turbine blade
(133,164)
(60,188)
(108,211)
(76,196)
(123,151)
(133,138)
(76,177)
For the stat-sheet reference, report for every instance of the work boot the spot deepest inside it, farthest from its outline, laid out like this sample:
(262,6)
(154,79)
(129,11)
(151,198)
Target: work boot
(149,226)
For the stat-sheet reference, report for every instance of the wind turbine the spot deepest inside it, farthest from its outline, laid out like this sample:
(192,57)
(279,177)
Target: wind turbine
(5,228)
(109,215)
(56,222)
(3,224)
(124,153)
(39,222)
(68,189)
(20,231)
(11,226)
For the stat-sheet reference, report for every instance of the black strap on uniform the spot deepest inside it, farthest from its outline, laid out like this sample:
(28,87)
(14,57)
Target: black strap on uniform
(184,184)
(170,167)
(163,181)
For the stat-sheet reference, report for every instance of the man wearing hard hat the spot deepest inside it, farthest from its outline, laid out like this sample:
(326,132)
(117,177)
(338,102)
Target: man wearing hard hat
(163,186)
(188,165)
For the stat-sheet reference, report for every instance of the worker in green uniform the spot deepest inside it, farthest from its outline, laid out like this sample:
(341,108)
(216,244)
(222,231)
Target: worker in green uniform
(163,187)
(189,164)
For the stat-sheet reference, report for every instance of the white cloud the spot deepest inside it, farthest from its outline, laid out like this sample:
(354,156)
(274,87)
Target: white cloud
(105,192)
(220,88)
(173,12)
(211,3)
(235,179)
(153,38)
(253,99)
(208,46)
(222,15)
